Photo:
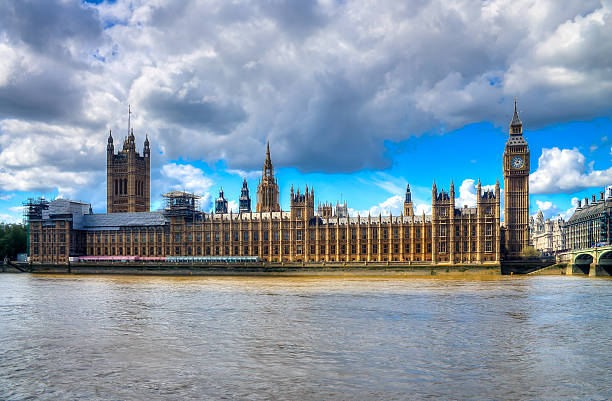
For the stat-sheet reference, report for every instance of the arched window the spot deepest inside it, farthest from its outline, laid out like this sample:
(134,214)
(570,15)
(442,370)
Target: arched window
(116,187)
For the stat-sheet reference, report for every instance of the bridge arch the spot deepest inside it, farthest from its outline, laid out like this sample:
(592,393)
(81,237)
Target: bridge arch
(582,263)
(605,258)
(584,258)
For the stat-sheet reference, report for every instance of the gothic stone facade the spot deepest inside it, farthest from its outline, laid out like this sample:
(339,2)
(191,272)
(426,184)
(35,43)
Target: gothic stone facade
(128,177)
(548,236)
(449,235)
(516,189)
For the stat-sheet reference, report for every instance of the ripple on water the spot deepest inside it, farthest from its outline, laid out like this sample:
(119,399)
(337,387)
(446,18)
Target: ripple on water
(113,337)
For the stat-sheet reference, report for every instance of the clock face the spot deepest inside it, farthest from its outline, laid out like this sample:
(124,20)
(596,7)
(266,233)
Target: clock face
(517,162)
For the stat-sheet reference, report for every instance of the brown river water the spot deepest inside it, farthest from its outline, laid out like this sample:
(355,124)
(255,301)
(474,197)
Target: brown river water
(124,337)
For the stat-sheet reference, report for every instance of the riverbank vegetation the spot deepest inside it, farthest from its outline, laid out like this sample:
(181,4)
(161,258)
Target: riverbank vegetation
(13,240)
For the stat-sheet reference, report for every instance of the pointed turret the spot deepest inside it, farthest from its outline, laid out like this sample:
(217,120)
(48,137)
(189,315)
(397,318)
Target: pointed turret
(131,142)
(408,207)
(221,203)
(146,150)
(110,148)
(245,198)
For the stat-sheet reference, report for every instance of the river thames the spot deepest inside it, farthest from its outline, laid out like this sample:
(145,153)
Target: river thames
(124,337)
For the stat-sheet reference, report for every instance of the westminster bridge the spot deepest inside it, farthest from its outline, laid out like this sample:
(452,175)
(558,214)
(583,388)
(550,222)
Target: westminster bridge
(596,261)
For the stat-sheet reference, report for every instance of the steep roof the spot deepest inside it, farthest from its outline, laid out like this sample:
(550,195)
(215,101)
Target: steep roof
(589,212)
(113,221)
(516,121)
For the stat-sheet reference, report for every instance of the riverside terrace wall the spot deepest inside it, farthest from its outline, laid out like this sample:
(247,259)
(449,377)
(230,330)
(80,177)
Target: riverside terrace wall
(267,269)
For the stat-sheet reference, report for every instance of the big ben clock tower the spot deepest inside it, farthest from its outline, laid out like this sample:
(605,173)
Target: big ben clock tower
(516,189)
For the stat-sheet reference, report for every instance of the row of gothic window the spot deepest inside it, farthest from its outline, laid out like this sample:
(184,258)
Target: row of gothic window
(442,248)
(121,187)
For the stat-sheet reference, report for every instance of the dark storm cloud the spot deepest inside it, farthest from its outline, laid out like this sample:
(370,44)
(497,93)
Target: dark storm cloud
(220,118)
(297,18)
(44,96)
(51,41)
(334,133)
(46,26)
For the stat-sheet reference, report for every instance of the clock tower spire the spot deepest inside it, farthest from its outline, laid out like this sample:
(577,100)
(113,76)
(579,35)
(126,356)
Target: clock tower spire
(516,189)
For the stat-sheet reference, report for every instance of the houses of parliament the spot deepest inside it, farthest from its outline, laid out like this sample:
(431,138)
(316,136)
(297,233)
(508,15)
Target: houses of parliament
(62,229)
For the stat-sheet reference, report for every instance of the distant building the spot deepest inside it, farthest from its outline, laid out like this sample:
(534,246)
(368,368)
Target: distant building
(342,209)
(245,199)
(221,203)
(408,207)
(548,236)
(590,225)
(327,210)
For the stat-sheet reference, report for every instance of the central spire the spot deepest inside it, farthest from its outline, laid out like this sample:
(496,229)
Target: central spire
(267,191)
(268,169)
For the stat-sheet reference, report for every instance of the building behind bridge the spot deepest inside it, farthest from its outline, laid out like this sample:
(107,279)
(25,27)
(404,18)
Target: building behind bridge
(590,225)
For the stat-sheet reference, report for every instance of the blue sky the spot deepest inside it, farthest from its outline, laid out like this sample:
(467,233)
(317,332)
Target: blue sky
(356,98)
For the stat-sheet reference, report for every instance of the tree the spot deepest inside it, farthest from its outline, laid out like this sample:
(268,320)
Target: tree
(13,240)
(531,252)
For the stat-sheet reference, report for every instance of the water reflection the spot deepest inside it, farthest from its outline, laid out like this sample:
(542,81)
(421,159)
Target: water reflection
(303,338)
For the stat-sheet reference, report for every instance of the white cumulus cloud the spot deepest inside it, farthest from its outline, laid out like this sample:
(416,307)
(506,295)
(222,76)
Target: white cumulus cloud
(187,177)
(566,170)
(467,193)
(544,205)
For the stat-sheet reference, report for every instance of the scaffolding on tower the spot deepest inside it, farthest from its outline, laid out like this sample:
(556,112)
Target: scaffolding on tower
(180,203)
(33,210)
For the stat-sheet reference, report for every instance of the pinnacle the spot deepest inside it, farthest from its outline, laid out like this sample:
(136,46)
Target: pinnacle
(516,121)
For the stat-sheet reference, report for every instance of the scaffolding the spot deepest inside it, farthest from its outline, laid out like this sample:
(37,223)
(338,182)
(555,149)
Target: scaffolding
(33,210)
(180,203)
